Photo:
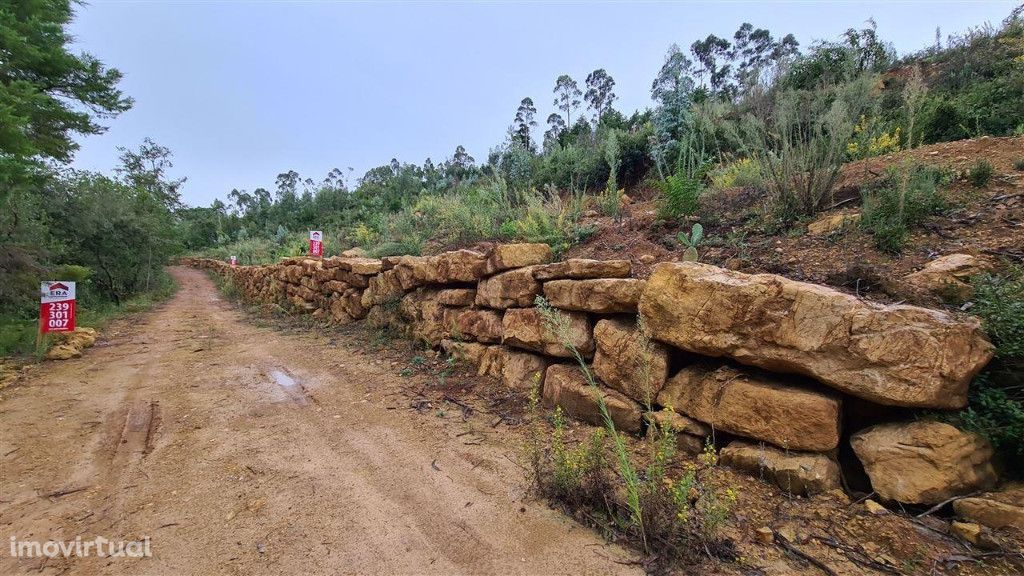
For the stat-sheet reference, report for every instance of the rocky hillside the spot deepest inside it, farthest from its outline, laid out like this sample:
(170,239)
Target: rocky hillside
(986,222)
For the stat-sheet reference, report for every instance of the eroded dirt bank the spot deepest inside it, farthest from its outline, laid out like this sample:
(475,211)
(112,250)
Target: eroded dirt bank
(238,450)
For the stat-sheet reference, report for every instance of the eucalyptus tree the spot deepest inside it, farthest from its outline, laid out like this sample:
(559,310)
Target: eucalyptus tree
(567,96)
(524,124)
(600,93)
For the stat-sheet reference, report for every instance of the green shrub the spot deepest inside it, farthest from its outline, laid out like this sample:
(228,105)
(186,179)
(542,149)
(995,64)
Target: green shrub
(71,272)
(554,222)
(996,400)
(995,413)
(680,196)
(1019,165)
(980,174)
(980,86)
(609,201)
(904,199)
(801,145)
(577,472)
(999,302)
(573,167)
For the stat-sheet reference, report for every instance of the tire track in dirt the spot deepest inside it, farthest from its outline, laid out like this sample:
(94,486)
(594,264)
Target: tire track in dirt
(176,428)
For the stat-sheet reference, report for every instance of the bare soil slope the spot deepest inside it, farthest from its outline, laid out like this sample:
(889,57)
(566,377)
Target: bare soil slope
(986,222)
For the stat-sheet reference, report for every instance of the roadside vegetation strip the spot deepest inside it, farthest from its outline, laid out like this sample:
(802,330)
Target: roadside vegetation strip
(18,337)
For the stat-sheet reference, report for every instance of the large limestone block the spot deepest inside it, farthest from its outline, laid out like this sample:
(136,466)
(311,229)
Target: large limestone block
(1000,509)
(480,325)
(413,271)
(628,362)
(508,256)
(384,317)
(799,473)
(601,295)
(896,355)
(492,361)
(334,286)
(923,462)
(363,266)
(383,288)
(339,313)
(457,296)
(430,321)
(458,266)
(948,276)
(581,268)
(755,406)
(353,303)
(293,273)
(351,278)
(324,274)
(514,288)
(523,370)
(447,268)
(525,328)
(565,386)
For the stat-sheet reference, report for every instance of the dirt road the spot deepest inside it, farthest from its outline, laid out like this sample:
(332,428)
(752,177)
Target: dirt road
(242,450)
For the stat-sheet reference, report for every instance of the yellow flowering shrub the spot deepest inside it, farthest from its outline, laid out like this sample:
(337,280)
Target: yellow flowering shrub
(864,145)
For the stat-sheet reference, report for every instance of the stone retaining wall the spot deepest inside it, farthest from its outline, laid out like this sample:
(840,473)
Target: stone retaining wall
(763,359)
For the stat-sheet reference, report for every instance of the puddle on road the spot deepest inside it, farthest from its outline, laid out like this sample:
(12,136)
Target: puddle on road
(291,386)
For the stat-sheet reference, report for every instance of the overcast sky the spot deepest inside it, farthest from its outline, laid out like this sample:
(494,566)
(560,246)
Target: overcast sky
(243,90)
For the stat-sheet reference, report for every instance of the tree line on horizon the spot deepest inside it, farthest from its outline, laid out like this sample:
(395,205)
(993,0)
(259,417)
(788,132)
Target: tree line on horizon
(750,108)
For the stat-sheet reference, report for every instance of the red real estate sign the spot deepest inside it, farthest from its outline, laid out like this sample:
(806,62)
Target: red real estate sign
(316,243)
(57,307)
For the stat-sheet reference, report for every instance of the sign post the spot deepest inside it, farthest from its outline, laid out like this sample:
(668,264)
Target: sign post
(56,308)
(234,261)
(316,243)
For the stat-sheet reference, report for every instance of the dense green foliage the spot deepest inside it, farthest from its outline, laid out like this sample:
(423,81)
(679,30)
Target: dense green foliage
(996,406)
(47,94)
(111,234)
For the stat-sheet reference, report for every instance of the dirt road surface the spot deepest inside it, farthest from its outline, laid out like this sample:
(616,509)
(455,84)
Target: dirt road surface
(239,449)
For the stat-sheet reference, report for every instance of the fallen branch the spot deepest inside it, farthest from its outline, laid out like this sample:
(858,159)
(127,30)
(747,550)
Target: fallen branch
(856,555)
(841,202)
(861,499)
(938,506)
(1006,253)
(64,492)
(781,541)
(1005,196)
